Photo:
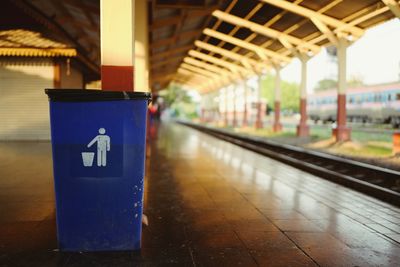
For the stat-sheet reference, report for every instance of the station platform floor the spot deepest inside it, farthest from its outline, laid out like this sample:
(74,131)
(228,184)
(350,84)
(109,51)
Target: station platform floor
(208,203)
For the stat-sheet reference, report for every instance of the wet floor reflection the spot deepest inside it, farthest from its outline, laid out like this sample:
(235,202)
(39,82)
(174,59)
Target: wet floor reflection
(236,187)
(209,203)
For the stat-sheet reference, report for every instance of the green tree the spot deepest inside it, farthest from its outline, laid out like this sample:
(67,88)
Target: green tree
(179,101)
(175,94)
(325,84)
(355,81)
(290,93)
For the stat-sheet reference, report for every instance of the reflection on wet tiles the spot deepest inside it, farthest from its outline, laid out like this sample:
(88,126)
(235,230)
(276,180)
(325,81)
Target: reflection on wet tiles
(210,203)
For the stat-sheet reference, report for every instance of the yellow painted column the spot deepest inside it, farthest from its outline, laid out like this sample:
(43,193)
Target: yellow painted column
(259,119)
(277,126)
(141,47)
(117,34)
(303,129)
(341,132)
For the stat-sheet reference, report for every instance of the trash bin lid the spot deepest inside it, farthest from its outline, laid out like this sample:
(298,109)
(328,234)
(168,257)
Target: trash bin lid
(77,95)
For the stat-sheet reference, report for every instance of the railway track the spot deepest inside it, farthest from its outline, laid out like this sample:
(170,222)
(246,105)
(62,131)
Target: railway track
(381,183)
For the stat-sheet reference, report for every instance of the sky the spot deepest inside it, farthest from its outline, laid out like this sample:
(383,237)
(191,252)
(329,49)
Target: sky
(375,58)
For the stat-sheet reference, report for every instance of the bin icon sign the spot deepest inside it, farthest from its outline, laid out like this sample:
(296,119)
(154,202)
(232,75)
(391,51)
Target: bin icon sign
(87,158)
(103,146)
(98,167)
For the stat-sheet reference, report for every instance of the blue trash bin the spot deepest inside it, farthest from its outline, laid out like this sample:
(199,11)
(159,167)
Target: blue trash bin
(98,141)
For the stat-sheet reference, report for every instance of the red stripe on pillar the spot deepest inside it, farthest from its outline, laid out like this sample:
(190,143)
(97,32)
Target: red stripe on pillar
(302,128)
(117,78)
(303,111)
(245,116)
(260,117)
(341,112)
(277,126)
(341,132)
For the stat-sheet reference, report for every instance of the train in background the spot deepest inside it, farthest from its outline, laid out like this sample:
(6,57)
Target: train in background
(373,104)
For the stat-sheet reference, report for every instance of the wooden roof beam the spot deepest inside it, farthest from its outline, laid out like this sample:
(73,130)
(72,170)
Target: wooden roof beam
(197,86)
(187,82)
(218,78)
(163,22)
(173,51)
(162,78)
(174,38)
(325,30)
(355,19)
(210,74)
(245,61)
(194,74)
(160,74)
(263,53)
(172,20)
(289,30)
(204,79)
(165,62)
(305,12)
(234,68)
(185,78)
(207,66)
(394,6)
(263,30)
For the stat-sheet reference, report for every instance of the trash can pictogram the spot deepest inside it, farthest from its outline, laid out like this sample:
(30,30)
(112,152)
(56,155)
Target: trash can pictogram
(87,159)
(98,143)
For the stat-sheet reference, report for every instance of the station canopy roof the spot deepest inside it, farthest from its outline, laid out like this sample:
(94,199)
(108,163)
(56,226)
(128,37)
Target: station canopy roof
(206,44)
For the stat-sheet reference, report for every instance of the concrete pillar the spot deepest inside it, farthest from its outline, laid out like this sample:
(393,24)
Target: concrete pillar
(277,126)
(202,115)
(245,89)
(303,129)
(341,132)
(234,98)
(202,109)
(259,119)
(141,62)
(117,34)
(226,107)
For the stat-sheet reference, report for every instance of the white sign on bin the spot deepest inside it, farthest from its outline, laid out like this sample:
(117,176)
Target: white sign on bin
(103,146)
(87,158)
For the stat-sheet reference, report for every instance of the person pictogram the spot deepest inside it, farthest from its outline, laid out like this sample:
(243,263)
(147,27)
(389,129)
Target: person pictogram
(103,145)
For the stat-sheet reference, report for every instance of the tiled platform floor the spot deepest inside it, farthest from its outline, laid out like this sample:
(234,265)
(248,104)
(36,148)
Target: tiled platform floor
(209,203)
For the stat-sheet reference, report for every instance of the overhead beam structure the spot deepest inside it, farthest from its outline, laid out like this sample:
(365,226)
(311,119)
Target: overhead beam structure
(234,68)
(263,53)
(173,51)
(260,29)
(210,82)
(273,41)
(246,62)
(207,73)
(394,6)
(305,12)
(207,66)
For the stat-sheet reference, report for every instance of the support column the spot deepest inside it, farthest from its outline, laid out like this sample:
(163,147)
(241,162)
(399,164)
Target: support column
(245,123)
(141,62)
(277,126)
(341,132)
(259,119)
(226,107)
(202,109)
(234,122)
(202,115)
(117,20)
(303,129)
